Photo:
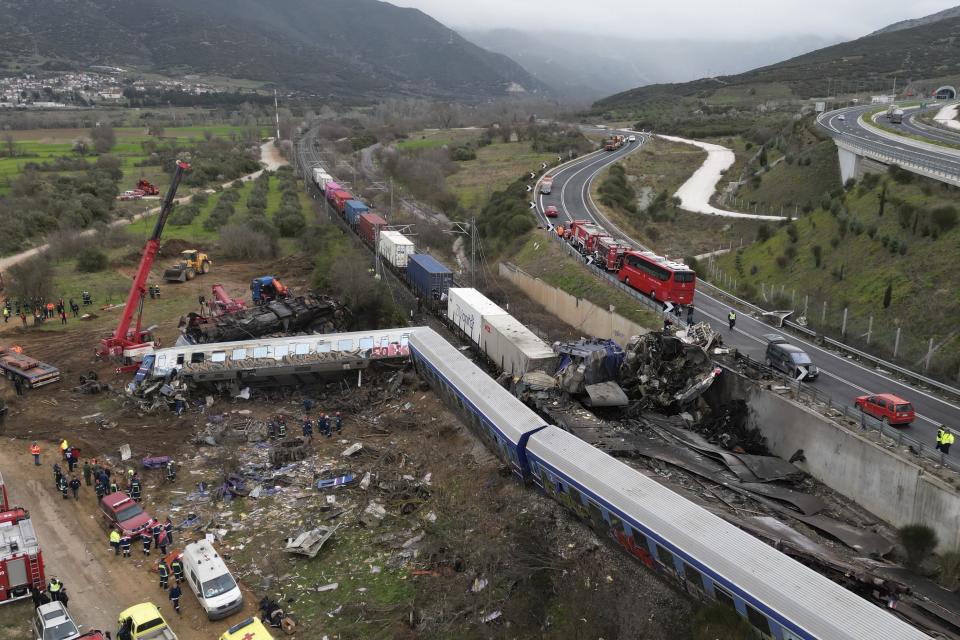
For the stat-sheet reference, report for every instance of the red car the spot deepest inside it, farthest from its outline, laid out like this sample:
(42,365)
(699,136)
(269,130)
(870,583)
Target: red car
(886,407)
(120,512)
(551,212)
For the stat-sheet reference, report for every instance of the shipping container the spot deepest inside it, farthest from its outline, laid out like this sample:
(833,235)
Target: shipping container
(429,279)
(513,348)
(467,308)
(320,176)
(324,180)
(331,186)
(352,209)
(340,198)
(368,224)
(396,248)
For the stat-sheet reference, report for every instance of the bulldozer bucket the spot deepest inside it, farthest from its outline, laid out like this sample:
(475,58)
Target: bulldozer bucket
(175,274)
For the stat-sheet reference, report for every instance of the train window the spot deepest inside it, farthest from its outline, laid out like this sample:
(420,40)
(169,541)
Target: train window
(575,495)
(693,576)
(218,356)
(196,358)
(366,343)
(404,341)
(723,597)
(345,345)
(666,559)
(179,358)
(547,484)
(639,540)
(596,515)
(281,351)
(384,341)
(758,620)
(324,347)
(260,352)
(301,348)
(239,354)
(615,523)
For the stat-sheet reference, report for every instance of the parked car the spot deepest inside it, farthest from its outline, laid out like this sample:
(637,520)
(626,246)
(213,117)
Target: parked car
(120,512)
(788,358)
(551,212)
(886,407)
(53,622)
(210,580)
(144,622)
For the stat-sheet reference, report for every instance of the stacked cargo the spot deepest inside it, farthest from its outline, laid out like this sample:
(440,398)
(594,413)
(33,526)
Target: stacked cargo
(353,209)
(429,279)
(339,198)
(395,248)
(368,226)
(502,338)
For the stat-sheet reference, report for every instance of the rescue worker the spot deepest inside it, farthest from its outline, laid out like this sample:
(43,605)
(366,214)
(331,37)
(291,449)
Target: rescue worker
(35,452)
(113,486)
(308,429)
(690,314)
(100,488)
(6,315)
(940,433)
(18,385)
(146,539)
(57,474)
(307,405)
(155,532)
(732,319)
(168,527)
(171,469)
(135,489)
(68,456)
(164,572)
(175,594)
(56,589)
(87,473)
(125,543)
(63,485)
(271,429)
(946,442)
(281,427)
(115,542)
(177,567)
(338,421)
(162,541)
(75,487)
(324,426)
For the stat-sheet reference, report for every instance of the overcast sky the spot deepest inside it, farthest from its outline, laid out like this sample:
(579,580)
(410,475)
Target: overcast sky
(650,19)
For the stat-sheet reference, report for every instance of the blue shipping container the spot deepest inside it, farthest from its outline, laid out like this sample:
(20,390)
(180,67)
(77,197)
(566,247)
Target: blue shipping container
(352,210)
(430,279)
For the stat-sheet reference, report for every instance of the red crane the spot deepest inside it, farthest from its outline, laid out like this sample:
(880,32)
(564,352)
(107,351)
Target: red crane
(128,342)
(223,304)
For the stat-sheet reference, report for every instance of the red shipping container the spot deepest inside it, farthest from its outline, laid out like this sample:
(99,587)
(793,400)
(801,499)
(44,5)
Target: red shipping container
(369,224)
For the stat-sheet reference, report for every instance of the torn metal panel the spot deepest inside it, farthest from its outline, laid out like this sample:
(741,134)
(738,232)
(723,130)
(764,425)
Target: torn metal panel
(769,468)
(606,394)
(309,543)
(779,532)
(858,539)
(805,503)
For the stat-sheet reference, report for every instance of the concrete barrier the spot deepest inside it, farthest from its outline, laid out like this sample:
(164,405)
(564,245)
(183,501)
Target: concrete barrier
(891,487)
(582,314)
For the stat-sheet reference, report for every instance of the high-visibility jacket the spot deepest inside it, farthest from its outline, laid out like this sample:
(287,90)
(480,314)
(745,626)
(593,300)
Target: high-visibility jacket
(940,433)
(947,438)
(163,570)
(114,537)
(55,586)
(732,316)
(35,450)
(64,446)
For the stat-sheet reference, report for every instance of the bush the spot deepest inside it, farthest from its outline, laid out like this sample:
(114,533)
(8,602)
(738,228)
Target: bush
(763,232)
(817,252)
(91,260)
(184,215)
(872,231)
(240,242)
(899,175)
(289,223)
(790,252)
(782,261)
(944,217)
(918,542)
(792,232)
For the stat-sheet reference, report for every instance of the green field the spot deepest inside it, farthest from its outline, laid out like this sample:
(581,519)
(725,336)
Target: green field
(434,138)
(496,166)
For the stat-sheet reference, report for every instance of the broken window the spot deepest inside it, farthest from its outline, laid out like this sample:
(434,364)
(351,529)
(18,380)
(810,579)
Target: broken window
(196,358)
(723,597)
(596,515)
(639,540)
(179,358)
(693,578)
(758,620)
(545,481)
(666,559)
(615,523)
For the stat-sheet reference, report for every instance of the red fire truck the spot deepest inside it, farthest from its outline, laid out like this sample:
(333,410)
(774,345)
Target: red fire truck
(21,563)
(584,234)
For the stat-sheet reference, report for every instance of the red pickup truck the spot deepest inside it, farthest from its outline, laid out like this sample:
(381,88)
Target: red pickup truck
(120,512)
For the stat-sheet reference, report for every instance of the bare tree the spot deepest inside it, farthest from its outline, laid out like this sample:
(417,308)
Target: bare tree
(103,138)
(11,144)
(81,146)
(31,279)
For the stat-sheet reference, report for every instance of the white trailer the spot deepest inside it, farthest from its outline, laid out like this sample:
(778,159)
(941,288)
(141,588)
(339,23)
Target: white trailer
(466,309)
(396,248)
(514,348)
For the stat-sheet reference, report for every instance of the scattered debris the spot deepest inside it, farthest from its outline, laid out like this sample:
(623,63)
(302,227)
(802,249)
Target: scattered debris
(309,543)
(373,515)
(490,617)
(352,449)
(333,586)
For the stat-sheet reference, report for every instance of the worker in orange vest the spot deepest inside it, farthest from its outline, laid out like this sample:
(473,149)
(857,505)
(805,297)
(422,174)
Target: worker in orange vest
(35,452)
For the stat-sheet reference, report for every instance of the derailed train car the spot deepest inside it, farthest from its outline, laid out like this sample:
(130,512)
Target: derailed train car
(703,554)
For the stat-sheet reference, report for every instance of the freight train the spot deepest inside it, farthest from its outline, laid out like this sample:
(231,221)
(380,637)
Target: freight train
(701,553)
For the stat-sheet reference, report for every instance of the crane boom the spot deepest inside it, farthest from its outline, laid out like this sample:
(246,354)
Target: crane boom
(123,339)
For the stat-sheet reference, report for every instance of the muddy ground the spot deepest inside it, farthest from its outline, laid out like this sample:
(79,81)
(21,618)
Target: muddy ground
(460,542)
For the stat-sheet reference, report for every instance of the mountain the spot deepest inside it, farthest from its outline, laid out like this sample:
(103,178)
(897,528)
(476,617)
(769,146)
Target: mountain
(582,67)
(919,22)
(869,64)
(353,49)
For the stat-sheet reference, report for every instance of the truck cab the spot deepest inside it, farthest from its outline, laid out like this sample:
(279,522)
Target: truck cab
(143,622)
(120,512)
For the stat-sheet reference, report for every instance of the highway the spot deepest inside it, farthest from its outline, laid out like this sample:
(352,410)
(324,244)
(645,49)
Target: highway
(913,126)
(841,378)
(845,125)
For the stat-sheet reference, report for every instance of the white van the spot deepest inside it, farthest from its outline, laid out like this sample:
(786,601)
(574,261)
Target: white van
(209,578)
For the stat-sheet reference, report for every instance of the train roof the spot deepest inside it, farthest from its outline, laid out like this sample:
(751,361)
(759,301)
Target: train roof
(508,415)
(796,593)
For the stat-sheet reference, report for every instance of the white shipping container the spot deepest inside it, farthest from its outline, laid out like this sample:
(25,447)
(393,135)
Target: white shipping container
(514,348)
(395,248)
(466,309)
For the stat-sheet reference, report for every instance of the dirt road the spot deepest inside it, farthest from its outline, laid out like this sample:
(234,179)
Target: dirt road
(75,549)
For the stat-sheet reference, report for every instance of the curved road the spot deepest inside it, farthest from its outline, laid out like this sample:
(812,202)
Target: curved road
(841,378)
(914,126)
(845,124)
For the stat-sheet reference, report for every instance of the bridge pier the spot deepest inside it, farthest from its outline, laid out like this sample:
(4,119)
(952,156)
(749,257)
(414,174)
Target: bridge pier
(849,164)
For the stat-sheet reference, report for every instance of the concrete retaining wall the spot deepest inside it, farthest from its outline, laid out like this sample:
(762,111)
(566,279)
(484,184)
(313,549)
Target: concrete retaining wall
(889,486)
(587,317)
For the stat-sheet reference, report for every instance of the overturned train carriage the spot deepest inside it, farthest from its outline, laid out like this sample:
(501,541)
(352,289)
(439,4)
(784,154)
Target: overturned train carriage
(315,314)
